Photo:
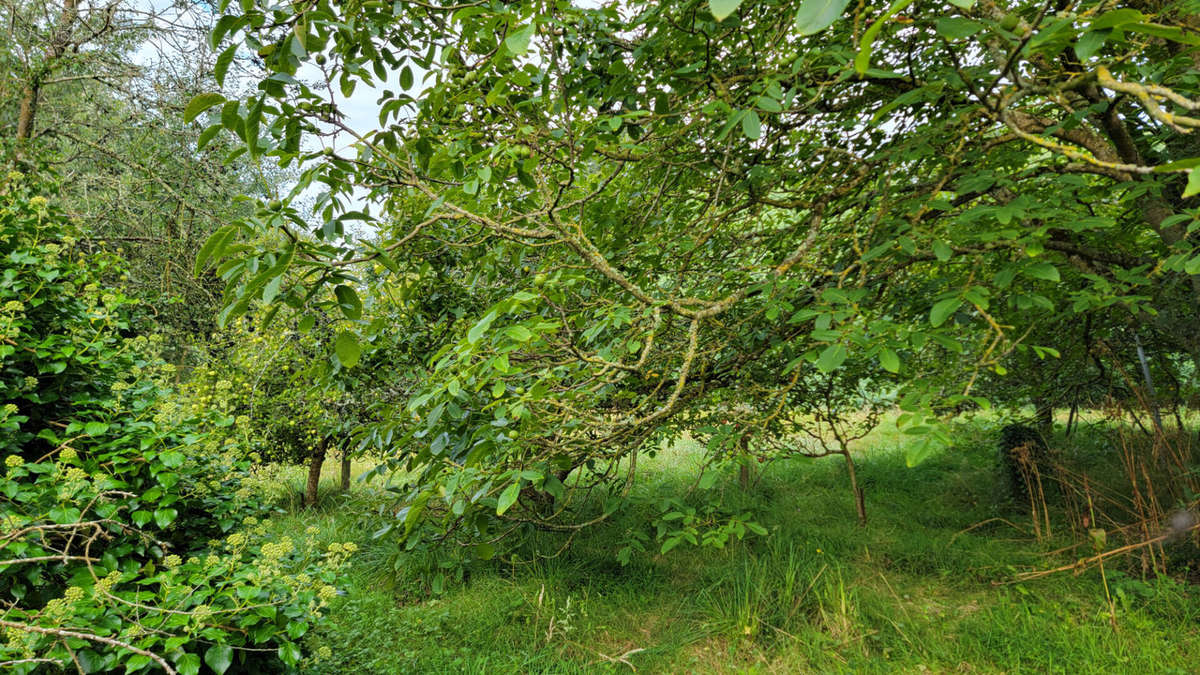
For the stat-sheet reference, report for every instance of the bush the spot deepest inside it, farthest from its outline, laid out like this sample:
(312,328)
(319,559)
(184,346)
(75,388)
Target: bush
(120,509)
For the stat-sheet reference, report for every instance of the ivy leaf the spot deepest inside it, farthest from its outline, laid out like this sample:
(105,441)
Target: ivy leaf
(95,428)
(164,517)
(347,349)
(200,103)
(942,310)
(815,16)
(723,8)
(508,498)
(186,664)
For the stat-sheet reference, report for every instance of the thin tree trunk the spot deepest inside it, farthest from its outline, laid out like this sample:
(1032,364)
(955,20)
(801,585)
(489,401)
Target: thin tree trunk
(345,471)
(1151,392)
(314,475)
(59,43)
(860,503)
(745,472)
(29,100)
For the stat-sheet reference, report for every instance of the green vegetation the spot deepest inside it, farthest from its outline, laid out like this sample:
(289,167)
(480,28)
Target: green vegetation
(699,336)
(820,594)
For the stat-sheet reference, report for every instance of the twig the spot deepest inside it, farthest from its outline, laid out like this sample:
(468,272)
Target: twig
(94,638)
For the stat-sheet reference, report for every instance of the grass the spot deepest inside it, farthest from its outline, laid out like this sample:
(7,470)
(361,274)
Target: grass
(918,590)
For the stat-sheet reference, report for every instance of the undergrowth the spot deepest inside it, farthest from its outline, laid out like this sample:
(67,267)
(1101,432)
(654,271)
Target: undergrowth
(927,585)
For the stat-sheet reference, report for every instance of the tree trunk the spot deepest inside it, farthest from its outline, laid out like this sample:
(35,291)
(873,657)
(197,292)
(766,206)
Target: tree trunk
(60,41)
(860,503)
(345,471)
(314,475)
(29,101)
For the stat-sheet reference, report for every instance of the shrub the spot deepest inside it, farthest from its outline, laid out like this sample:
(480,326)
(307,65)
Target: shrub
(120,509)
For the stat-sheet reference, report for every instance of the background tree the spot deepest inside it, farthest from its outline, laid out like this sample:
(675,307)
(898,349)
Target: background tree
(659,208)
(99,89)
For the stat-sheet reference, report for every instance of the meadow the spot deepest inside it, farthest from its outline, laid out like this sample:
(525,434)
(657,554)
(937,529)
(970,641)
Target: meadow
(927,586)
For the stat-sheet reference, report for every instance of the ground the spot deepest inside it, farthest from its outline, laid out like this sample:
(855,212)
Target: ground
(925,587)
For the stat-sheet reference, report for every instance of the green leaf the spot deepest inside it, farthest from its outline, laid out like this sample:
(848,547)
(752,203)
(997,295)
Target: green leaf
(213,247)
(957,27)
(200,103)
(862,62)
(815,16)
(172,459)
(768,104)
(290,653)
(347,349)
(942,250)
(1117,17)
(95,428)
(164,517)
(1190,163)
(1090,43)
(751,125)
(942,310)
(890,360)
(481,327)
(723,8)
(920,451)
(518,333)
(223,62)
(1172,33)
(348,302)
(508,498)
(1193,184)
(1043,270)
(188,664)
(831,357)
(224,25)
(965,4)
(207,135)
(517,42)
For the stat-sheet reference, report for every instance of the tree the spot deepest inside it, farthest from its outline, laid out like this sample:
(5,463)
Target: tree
(94,92)
(116,503)
(659,209)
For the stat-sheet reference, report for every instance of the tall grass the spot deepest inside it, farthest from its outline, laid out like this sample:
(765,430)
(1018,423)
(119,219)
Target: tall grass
(926,586)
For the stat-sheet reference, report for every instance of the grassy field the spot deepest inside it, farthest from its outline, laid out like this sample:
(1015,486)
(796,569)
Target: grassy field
(914,591)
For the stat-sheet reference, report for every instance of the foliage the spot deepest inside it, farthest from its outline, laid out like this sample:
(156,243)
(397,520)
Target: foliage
(821,594)
(663,209)
(94,93)
(110,491)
